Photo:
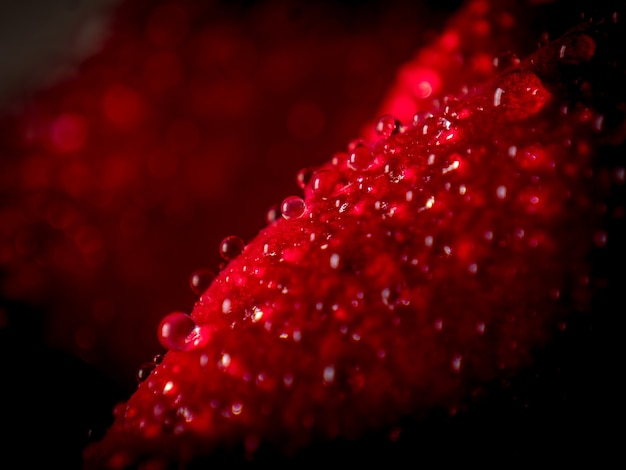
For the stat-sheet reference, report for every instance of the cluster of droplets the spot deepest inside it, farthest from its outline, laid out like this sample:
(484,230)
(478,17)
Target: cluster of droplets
(176,329)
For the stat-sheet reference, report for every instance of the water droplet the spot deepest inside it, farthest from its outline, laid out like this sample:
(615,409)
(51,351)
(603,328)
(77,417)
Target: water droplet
(200,280)
(342,204)
(457,362)
(387,126)
(324,183)
(144,371)
(420,117)
(231,247)
(293,207)
(360,158)
(506,60)
(394,170)
(273,213)
(329,375)
(304,176)
(174,329)
(354,143)
(519,95)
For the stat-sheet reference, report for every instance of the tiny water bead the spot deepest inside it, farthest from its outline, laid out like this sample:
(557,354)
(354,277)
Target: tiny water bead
(505,60)
(421,116)
(273,214)
(144,371)
(200,280)
(360,158)
(354,143)
(387,125)
(304,176)
(293,207)
(394,170)
(231,247)
(174,329)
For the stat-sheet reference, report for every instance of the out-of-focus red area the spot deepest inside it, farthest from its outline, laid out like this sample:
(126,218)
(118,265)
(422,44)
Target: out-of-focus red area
(188,125)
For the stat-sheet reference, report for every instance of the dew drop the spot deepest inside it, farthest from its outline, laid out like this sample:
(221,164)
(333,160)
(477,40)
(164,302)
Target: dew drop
(457,362)
(174,329)
(200,280)
(520,95)
(394,170)
(231,247)
(420,117)
(342,204)
(387,126)
(144,371)
(273,214)
(360,158)
(304,176)
(324,183)
(506,60)
(293,207)
(329,375)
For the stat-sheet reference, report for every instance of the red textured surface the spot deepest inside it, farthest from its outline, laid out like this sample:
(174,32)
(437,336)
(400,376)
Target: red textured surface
(424,272)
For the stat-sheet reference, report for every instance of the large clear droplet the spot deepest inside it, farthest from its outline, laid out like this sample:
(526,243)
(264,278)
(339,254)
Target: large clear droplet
(324,183)
(174,329)
(293,207)
(360,158)
(200,280)
(387,125)
(231,247)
